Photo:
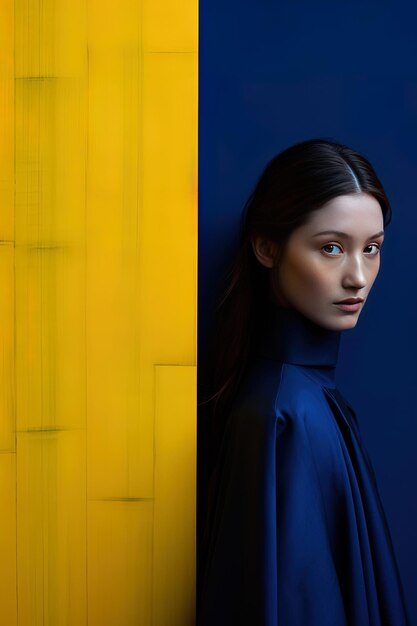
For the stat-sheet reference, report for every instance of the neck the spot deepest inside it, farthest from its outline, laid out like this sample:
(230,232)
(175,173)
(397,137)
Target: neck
(288,336)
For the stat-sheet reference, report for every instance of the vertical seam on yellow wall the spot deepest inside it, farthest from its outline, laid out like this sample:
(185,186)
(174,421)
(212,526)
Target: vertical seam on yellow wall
(87,108)
(14,402)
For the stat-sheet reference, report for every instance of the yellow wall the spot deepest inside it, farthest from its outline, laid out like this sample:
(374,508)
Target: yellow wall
(98,269)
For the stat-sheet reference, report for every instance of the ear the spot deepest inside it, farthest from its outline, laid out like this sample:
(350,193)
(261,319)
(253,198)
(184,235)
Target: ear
(264,249)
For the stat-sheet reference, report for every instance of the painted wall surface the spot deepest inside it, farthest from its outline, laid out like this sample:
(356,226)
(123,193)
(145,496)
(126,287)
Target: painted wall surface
(98,266)
(273,74)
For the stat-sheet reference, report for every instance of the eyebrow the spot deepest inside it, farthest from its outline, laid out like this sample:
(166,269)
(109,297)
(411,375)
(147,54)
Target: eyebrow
(340,234)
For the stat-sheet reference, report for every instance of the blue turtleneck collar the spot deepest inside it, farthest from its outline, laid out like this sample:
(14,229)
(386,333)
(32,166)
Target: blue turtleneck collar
(289,336)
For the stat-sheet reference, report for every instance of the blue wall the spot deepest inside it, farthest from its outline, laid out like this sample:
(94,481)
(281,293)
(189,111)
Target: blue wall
(275,73)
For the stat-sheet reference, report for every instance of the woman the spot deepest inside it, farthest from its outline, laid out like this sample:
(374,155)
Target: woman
(295,533)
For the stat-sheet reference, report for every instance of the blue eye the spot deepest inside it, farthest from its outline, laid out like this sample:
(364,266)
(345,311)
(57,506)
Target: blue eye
(376,246)
(335,245)
(331,245)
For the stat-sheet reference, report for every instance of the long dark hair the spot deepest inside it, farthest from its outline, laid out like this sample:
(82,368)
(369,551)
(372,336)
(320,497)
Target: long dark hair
(295,182)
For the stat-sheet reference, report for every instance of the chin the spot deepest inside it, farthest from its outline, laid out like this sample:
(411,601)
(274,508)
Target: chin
(338,324)
(349,321)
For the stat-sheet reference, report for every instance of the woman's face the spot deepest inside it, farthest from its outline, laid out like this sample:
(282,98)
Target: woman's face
(317,271)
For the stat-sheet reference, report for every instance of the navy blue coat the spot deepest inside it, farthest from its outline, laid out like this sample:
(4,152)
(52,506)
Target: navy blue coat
(299,535)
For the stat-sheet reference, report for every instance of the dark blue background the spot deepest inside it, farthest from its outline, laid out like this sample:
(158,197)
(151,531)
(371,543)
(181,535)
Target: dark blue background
(275,73)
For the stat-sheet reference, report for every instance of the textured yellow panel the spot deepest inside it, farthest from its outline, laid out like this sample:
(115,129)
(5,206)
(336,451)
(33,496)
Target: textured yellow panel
(120,562)
(125,19)
(7,378)
(8,598)
(50,252)
(175,496)
(170,26)
(119,435)
(98,264)
(50,38)
(7,375)
(50,162)
(6,119)
(51,533)
(50,337)
(169,223)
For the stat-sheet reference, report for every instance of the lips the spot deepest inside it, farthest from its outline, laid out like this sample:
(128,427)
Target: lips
(350,301)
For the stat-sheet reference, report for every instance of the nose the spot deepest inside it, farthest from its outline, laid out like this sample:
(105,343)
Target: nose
(354,274)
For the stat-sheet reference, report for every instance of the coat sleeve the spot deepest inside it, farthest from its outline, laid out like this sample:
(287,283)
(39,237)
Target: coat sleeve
(269,559)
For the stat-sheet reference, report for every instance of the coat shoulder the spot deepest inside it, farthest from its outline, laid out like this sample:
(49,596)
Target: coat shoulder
(273,391)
